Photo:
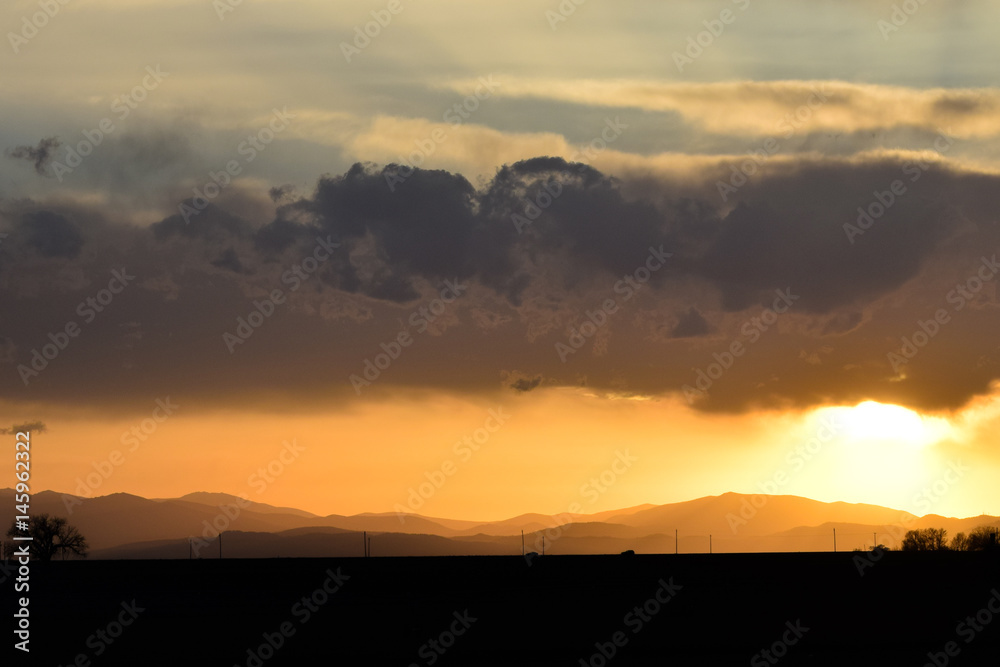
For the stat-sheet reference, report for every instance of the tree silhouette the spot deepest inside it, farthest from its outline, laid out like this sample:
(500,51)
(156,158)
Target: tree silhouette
(51,535)
(925,539)
(984,538)
(960,542)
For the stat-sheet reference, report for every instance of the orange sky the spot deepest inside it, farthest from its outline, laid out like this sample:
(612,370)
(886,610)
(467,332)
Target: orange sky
(543,458)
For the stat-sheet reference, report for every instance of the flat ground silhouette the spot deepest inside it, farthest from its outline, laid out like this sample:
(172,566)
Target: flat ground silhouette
(652,609)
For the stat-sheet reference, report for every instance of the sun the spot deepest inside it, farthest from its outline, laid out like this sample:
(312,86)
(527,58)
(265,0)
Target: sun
(874,452)
(871,420)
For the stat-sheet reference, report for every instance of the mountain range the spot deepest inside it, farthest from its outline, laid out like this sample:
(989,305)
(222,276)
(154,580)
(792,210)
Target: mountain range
(122,525)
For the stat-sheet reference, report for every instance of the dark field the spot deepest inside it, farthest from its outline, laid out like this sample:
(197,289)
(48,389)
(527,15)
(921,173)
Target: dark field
(722,609)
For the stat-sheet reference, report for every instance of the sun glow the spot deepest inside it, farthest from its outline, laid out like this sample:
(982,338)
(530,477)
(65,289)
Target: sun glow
(880,421)
(877,452)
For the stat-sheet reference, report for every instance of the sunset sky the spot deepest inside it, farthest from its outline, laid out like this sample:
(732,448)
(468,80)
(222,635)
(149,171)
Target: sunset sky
(684,247)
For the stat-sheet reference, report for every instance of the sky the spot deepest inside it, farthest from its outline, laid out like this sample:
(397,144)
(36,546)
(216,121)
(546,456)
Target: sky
(476,260)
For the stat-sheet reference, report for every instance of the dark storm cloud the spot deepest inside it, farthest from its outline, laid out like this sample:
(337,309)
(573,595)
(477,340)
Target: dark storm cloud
(540,247)
(281,193)
(790,231)
(522,383)
(213,223)
(50,234)
(580,213)
(40,156)
(229,260)
(690,324)
(433,225)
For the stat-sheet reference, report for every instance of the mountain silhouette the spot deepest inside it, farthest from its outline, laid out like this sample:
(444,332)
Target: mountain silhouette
(122,525)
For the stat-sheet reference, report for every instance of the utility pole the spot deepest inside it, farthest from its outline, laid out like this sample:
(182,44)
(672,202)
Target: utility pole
(543,544)
(364,542)
(834,540)
(874,540)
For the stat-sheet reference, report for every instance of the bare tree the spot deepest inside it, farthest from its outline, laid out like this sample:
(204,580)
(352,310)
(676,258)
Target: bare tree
(984,538)
(925,539)
(51,535)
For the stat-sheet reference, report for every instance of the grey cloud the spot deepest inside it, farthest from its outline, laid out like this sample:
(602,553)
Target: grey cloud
(40,156)
(36,426)
(398,245)
(229,260)
(690,325)
(50,234)
(522,383)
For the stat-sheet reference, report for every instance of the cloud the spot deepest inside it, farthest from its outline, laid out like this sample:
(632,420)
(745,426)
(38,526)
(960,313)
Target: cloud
(690,324)
(520,382)
(50,234)
(229,260)
(40,155)
(37,427)
(769,107)
(542,247)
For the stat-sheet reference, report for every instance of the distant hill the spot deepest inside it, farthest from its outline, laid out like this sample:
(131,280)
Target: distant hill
(122,525)
(216,499)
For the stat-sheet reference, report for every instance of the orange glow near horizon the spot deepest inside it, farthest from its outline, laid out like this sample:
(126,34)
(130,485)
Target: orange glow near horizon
(436,456)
